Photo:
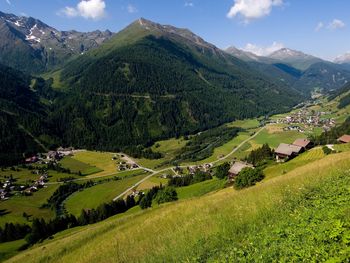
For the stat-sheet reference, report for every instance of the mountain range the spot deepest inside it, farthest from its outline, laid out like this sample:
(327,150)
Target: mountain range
(301,71)
(123,91)
(32,46)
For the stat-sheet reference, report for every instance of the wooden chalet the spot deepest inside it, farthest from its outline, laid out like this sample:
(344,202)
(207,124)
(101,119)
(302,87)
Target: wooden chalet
(287,151)
(344,139)
(237,167)
(303,143)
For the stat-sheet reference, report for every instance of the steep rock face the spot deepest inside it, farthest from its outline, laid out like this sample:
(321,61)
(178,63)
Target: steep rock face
(30,45)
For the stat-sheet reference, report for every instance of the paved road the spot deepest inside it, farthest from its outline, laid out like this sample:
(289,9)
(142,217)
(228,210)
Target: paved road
(239,146)
(153,172)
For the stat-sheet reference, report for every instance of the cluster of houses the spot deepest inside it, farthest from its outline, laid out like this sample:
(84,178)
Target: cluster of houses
(204,168)
(51,156)
(123,166)
(8,187)
(309,119)
(5,189)
(40,183)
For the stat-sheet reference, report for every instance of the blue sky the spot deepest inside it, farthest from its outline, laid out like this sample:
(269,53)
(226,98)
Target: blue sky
(317,27)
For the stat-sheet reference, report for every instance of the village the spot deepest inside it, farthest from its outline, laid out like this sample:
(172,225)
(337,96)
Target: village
(283,153)
(305,119)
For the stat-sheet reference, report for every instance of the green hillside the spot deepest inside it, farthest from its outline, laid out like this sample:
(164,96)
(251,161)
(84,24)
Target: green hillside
(288,212)
(21,116)
(151,82)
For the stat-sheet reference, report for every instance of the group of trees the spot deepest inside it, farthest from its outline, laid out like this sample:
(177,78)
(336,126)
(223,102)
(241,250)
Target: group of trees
(202,145)
(330,137)
(41,229)
(185,180)
(160,194)
(105,211)
(258,156)
(222,170)
(11,232)
(248,177)
(63,191)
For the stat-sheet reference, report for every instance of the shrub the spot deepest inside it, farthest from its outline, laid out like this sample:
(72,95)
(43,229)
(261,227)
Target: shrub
(222,170)
(248,177)
(165,195)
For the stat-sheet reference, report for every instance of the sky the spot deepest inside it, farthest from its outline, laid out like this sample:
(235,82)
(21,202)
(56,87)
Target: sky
(317,27)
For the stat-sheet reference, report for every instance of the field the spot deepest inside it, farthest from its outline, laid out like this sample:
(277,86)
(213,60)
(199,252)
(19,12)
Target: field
(300,216)
(101,160)
(76,166)
(200,189)
(168,148)
(14,207)
(153,181)
(24,176)
(101,193)
(10,249)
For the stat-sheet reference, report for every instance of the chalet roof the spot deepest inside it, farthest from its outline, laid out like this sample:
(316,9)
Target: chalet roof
(345,138)
(301,142)
(239,166)
(287,149)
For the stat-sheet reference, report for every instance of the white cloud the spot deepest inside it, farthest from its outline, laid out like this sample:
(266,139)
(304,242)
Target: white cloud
(252,9)
(336,24)
(319,26)
(89,9)
(333,25)
(189,4)
(261,50)
(132,9)
(8,2)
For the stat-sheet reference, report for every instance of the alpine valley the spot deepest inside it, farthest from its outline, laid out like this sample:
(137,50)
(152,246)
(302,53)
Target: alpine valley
(153,145)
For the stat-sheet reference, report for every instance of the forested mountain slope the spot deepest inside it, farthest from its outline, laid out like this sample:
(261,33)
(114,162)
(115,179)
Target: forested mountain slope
(153,81)
(21,116)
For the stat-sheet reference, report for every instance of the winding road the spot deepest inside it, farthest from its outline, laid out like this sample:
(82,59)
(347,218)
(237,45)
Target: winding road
(153,172)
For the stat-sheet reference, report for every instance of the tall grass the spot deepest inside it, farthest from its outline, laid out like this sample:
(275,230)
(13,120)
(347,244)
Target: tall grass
(213,227)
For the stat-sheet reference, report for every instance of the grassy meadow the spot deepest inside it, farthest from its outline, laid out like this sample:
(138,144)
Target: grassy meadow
(76,166)
(300,216)
(98,160)
(102,193)
(14,208)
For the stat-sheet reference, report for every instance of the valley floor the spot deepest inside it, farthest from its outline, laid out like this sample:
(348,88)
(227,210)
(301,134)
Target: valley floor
(208,223)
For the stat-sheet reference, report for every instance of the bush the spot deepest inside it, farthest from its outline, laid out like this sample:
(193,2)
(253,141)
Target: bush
(222,170)
(165,195)
(248,177)
(326,150)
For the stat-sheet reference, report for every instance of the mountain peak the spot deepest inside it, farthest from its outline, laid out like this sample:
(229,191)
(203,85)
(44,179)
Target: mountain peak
(169,30)
(287,53)
(343,59)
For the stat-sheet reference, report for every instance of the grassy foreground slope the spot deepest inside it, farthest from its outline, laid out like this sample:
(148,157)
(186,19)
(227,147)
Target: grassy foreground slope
(300,216)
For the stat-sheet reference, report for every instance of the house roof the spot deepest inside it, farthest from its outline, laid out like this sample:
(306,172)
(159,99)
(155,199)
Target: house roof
(239,166)
(301,142)
(287,149)
(345,138)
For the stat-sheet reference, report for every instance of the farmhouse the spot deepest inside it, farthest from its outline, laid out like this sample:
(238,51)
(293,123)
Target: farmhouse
(237,167)
(286,151)
(303,143)
(344,139)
